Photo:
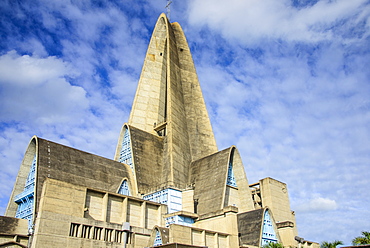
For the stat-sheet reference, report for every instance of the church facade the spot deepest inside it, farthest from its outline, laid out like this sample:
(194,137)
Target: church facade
(168,185)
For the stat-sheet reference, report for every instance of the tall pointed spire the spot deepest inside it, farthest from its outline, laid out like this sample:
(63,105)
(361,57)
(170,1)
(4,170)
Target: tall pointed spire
(169,102)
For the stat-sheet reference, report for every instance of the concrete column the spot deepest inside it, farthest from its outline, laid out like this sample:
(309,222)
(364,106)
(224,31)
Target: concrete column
(159,215)
(124,209)
(143,215)
(216,240)
(204,237)
(105,207)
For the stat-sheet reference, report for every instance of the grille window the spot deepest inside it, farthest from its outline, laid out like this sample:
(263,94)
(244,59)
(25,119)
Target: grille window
(73,231)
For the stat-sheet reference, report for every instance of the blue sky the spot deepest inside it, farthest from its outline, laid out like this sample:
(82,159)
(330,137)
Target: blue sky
(287,82)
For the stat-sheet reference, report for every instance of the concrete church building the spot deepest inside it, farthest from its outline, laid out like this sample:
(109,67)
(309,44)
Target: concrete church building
(168,185)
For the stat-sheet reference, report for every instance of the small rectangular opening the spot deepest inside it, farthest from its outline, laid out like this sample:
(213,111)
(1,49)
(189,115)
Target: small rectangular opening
(97,233)
(73,231)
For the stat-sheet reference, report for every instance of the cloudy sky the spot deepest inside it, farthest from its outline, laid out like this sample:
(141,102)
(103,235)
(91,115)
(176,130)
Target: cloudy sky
(286,81)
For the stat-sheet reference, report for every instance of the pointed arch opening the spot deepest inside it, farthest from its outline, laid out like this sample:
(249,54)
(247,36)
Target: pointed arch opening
(236,189)
(125,154)
(25,200)
(231,197)
(269,235)
(124,189)
(158,238)
(231,181)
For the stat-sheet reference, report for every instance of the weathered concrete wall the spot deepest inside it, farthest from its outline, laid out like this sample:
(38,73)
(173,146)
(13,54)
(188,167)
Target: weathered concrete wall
(147,151)
(78,168)
(11,225)
(13,231)
(149,106)
(250,227)
(208,175)
(75,216)
(223,222)
(22,176)
(188,200)
(201,137)
(185,236)
(275,196)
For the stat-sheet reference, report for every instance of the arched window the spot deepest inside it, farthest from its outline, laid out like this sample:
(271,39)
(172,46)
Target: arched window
(158,238)
(25,199)
(125,156)
(124,188)
(268,231)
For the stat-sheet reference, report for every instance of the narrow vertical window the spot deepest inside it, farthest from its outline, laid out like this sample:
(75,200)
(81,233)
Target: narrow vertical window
(25,200)
(85,232)
(268,231)
(108,235)
(118,236)
(97,233)
(196,206)
(125,156)
(124,188)
(230,175)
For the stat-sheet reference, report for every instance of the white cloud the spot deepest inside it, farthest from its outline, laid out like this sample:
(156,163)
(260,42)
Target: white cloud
(36,89)
(304,120)
(35,46)
(253,20)
(318,204)
(25,70)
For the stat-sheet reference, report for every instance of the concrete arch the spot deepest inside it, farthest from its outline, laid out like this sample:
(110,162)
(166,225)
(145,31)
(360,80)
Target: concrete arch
(164,232)
(273,222)
(124,127)
(132,178)
(241,196)
(130,188)
(31,152)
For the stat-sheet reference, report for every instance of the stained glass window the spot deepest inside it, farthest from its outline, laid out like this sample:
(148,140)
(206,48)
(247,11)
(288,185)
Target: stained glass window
(268,231)
(171,197)
(179,220)
(158,238)
(25,200)
(230,176)
(125,156)
(124,189)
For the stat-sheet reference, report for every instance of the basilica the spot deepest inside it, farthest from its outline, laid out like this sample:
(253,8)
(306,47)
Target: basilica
(167,186)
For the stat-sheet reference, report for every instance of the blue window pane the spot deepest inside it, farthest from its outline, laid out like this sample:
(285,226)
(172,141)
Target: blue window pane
(158,239)
(125,155)
(171,197)
(124,189)
(180,220)
(268,231)
(25,200)
(230,176)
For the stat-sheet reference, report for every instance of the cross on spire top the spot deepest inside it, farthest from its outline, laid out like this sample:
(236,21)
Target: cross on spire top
(168,9)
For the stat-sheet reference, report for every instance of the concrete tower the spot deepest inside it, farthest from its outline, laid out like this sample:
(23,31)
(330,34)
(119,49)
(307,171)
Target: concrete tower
(169,104)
